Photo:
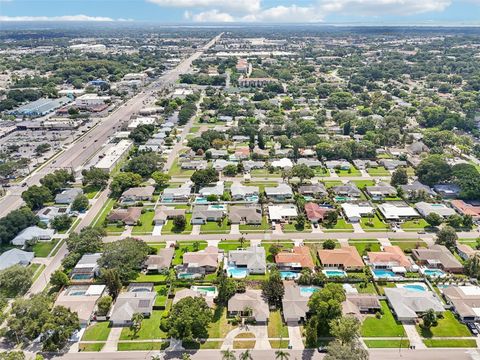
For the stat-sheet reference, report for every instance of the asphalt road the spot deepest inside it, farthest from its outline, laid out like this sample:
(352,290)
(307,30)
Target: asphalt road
(85,147)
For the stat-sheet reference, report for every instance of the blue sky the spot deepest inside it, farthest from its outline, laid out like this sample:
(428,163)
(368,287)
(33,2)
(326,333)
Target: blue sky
(375,12)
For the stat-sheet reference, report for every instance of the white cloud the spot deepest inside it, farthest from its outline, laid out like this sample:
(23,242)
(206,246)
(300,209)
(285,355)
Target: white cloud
(231,6)
(292,13)
(213,16)
(60,18)
(382,7)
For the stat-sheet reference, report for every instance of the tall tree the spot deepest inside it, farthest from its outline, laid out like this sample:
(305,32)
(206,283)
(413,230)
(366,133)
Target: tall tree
(189,319)
(272,288)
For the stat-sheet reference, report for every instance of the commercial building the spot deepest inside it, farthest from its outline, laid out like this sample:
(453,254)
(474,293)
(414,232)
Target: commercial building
(40,107)
(114,155)
(91,100)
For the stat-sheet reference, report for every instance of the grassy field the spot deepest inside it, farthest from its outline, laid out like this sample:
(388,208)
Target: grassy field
(277,344)
(154,278)
(43,248)
(90,191)
(341,225)
(97,332)
(161,291)
(450,343)
(386,326)
(448,326)
(36,269)
(212,227)
(292,227)
(362,183)
(150,329)
(232,245)
(387,343)
(146,220)
(276,327)
(256,173)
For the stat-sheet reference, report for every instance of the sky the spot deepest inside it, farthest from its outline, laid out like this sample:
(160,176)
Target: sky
(365,12)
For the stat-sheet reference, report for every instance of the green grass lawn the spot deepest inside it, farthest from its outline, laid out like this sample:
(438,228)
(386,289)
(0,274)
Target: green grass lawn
(387,326)
(93,347)
(448,326)
(212,227)
(414,225)
(387,343)
(268,245)
(177,171)
(292,227)
(329,184)
(341,225)
(168,228)
(150,329)
(265,173)
(186,247)
(43,248)
(450,343)
(369,289)
(261,184)
(97,332)
(362,183)
(157,246)
(142,346)
(146,220)
(409,245)
(378,171)
(345,173)
(161,295)
(90,191)
(232,245)
(219,327)
(276,327)
(99,220)
(36,269)
(373,224)
(244,344)
(264,226)
(154,278)
(277,344)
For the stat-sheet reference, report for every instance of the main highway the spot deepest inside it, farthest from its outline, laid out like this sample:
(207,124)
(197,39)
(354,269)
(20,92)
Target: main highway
(87,145)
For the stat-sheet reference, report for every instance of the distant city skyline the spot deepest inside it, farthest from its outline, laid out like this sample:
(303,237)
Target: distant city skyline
(364,12)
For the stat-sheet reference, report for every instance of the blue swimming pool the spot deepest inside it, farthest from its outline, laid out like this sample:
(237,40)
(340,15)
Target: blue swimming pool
(253,198)
(415,287)
(186,276)
(236,273)
(82,277)
(289,275)
(200,200)
(383,274)
(307,290)
(334,273)
(433,272)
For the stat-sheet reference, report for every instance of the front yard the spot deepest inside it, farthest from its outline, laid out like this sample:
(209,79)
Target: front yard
(373,224)
(448,326)
(415,225)
(150,329)
(146,223)
(386,326)
(214,227)
(365,246)
(264,226)
(341,225)
(276,327)
(97,332)
(43,248)
(168,228)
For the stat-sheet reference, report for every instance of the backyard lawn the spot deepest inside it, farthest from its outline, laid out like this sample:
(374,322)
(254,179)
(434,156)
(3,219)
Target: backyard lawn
(261,184)
(150,329)
(212,227)
(276,327)
(168,228)
(162,293)
(448,326)
(146,220)
(341,225)
(43,248)
(387,326)
(97,332)
(373,223)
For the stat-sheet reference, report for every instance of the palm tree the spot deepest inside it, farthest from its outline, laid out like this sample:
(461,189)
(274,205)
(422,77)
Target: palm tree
(242,241)
(186,356)
(282,355)
(228,355)
(137,319)
(246,355)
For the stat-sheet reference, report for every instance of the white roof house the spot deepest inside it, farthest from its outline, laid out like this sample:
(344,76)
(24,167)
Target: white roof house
(425,209)
(354,212)
(253,258)
(283,163)
(282,191)
(218,189)
(240,191)
(15,256)
(408,304)
(394,212)
(282,212)
(32,232)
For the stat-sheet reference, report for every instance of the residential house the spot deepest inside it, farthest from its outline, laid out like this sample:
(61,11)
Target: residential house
(364,164)
(398,210)
(338,164)
(250,303)
(251,215)
(129,303)
(284,163)
(68,195)
(15,257)
(282,192)
(296,259)
(358,304)
(220,164)
(32,233)
(466,251)
(392,164)
(249,165)
(349,190)
(216,190)
(48,213)
(346,257)
(180,194)
(194,165)
(316,213)
(81,299)
(408,305)
(417,148)
(381,191)
(411,190)
(242,192)
(251,258)
(294,303)
(391,258)
(161,261)
(438,256)
(136,194)
(315,190)
(355,211)
(465,301)
(193,292)
(201,262)
(447,191)
(282,212)
(128,216)
(201,214)
(217,153)
(313,163)
(426,209)
(86,269)
(242,153)
(164,213)
(467,209)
